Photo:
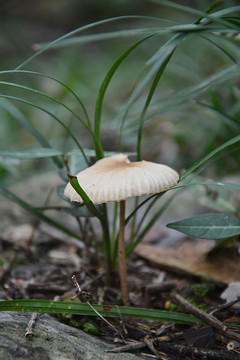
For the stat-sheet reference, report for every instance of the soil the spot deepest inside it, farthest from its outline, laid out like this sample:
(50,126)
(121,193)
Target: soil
(38,262)
(39,266)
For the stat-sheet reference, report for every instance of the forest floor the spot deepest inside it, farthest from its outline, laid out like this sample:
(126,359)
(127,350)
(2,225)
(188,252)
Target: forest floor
(39,266)
(165,273)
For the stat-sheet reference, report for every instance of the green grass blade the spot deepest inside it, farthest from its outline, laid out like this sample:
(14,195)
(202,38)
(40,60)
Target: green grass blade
(183,97)
(9,195)
(83,28)
(208,226)
(17,114)
(110,35)
(65,307)
(31,154)
(149,98)
(75,211)
(221,48)
(34,73)
(228,143)
(210,183)
(211,7)
(53,116)
(75,184)
(156,61)
(76,308)
(104,86)
(215,17)
(150,224)
(233,121)
(27,88)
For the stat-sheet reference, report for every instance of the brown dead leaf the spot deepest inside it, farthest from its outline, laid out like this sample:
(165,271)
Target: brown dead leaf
(191,258)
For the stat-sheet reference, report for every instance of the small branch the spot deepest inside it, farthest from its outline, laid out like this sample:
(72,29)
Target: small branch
(86,296)
(29,330)
(128,347)
(207,318)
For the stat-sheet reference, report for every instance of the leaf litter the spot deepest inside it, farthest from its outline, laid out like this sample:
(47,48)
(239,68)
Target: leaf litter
(39,266)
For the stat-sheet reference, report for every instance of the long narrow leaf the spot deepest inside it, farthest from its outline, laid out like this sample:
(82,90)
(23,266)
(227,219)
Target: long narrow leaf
(209,156)
(9,195)
(34,73)
(41,93)
(53,116)
(215,17)
(104,85)
(210,183)
(150,224)
(77,187)
(17,114)
(149,98)
(65,307)
(83,28)
(31,154)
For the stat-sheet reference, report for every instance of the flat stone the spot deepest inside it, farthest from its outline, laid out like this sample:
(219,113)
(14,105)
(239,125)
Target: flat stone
(52,341)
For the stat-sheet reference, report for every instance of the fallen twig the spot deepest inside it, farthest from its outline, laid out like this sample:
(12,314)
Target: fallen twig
(207,318)
(29,330)
(86,296)
(128,347)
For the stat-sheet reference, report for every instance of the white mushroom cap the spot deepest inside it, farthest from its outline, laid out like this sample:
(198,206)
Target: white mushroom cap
(115,178)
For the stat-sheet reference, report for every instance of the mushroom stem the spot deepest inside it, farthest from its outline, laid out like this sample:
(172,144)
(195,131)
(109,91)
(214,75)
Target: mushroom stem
(121,256)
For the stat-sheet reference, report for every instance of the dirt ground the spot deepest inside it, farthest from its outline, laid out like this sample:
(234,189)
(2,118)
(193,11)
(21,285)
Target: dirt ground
(39,266)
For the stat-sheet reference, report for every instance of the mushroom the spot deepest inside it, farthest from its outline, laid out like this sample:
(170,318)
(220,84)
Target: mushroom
(115,179)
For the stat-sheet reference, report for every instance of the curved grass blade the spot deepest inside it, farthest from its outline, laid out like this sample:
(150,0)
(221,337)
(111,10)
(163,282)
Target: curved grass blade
(221,48)
(106,36)
(27,88)
(208,226)
(210,183)
(209,156)
(215,17)
(75,184)
(83,28)
(9,195)
(183,97)
(149,98)
(211,7)
(17,114)
(75,211)
(157,60)
(82,39)
(104,85)
(150,224)
(53,116)
(54,79)
(31,154)
(89,128)
(230,119)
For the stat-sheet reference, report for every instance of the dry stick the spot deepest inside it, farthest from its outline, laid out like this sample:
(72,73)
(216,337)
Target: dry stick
(121,256)
(29,330)
(80,292)
(207,318)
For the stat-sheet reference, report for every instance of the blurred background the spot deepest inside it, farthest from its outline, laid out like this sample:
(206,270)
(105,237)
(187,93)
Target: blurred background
(175,135)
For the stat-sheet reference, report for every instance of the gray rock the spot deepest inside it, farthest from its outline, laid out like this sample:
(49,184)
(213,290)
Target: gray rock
(52,341)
